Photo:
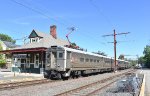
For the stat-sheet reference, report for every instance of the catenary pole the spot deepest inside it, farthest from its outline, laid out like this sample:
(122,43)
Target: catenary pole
(115,43)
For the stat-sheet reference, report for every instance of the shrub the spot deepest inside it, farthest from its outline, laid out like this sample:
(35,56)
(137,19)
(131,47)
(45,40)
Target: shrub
(2,63)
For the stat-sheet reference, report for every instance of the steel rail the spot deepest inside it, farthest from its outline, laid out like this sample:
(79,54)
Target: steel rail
(66,93)
(23,84)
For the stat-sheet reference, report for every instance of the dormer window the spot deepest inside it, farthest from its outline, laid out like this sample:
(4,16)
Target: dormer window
(35,36)
(37,39)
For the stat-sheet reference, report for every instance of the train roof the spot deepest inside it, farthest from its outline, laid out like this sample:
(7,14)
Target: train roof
(84,52)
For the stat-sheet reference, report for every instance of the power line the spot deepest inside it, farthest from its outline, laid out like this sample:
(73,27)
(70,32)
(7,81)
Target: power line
(101,13)
(24,39)
(90,36)
(36,11)
(43,14)
(40,6)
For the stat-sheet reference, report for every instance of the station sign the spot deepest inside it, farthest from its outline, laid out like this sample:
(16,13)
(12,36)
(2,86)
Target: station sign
(20,56)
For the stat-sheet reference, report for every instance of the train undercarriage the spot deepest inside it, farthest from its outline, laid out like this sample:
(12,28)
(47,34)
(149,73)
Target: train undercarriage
(53,74)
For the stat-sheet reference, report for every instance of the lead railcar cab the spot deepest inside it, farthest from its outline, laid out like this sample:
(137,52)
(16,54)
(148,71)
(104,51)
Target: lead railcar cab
(56,62)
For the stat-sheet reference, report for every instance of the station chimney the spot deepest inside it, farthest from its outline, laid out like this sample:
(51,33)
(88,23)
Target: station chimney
(53,31)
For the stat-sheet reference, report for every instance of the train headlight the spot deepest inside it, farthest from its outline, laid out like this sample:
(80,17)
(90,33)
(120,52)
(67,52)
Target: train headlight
(58,65)
(48,65)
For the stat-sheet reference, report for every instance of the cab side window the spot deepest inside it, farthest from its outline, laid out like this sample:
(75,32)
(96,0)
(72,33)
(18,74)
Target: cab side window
(60,55)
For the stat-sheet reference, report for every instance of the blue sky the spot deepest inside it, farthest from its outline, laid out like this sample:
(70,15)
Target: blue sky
(92,19)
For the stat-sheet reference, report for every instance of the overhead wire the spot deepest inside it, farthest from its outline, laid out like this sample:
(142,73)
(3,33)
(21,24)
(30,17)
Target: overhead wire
(40,6)
(37,10)
(100,12)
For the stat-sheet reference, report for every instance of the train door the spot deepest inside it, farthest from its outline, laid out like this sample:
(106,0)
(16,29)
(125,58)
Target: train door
(112,62)
(53,59)
(68,59)
(61,60)
(48,60)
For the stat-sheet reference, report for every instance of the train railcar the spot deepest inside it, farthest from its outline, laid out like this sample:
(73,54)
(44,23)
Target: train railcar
(121,64)
(63,62)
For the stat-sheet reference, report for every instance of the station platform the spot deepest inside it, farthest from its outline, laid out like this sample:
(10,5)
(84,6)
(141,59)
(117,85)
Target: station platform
(147,81)
(6,77)
(145,90)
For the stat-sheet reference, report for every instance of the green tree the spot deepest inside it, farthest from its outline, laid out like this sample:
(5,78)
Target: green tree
(121,57)
(5,37)
(147,56)
(2,60)
(0,50)
(100,53)
(133,62)
(73,44)
(141,60)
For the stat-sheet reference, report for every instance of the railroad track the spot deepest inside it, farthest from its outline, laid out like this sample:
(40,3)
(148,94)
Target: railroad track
(93,88)
(14,85)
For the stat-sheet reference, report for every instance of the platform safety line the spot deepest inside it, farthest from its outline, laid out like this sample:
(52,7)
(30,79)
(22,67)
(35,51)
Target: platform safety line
(142,91)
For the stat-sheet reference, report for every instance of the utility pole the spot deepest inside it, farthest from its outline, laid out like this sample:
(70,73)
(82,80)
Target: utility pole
(115,43)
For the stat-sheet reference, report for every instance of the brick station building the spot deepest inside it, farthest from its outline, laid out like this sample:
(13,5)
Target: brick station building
(30,57)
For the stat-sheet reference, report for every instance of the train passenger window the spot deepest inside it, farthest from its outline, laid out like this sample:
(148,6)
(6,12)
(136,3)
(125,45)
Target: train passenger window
(60,55)
(91,60)
(106,60)
(82,59)
(87,60)
(97,61)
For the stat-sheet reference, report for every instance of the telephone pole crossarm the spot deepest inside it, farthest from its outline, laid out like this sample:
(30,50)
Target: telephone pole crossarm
(124,33)
(116,34)
(108,35)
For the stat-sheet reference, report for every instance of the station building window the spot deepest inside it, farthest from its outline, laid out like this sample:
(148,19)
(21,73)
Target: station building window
(31,58)
(36,64)
(36,39)
(23,61)
(28,63)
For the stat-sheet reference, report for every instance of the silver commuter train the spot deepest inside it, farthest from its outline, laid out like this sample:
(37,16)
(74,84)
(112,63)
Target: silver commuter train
(63,62)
